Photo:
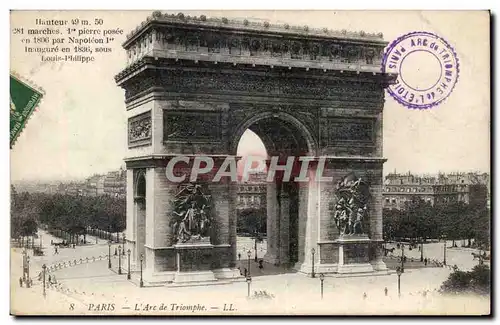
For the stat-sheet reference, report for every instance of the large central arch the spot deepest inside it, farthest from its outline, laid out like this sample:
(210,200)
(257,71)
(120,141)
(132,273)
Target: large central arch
(283,136)
(194,85)
(252,123)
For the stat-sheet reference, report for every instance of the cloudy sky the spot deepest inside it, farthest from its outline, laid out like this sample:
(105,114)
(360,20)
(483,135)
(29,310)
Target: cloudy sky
(80,128)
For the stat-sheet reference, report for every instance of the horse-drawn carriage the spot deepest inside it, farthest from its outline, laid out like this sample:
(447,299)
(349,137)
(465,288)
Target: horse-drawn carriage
(63,244)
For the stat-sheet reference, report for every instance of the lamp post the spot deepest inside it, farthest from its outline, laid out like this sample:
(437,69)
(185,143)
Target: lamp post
(128,273)
(255,246)
(141,283)
(422,251)
(249,280)
(313,251)
(109,254)
(25,255)
(444,251)
(119,259)
(399,272)
(321,278)
(44,267)
(28,284)
(249,254)
(402,257)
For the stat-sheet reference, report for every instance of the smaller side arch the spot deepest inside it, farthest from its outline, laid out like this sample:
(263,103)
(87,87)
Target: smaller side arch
(140,184)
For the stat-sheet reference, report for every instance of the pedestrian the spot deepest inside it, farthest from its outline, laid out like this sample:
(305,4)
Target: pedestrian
(21,282)
(385,291)
(261,266)
(50,279)
(239,256)
(245,272)
(364,295)
(425,261)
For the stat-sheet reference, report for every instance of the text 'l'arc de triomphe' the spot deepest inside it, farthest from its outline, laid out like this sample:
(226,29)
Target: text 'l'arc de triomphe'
(193,85)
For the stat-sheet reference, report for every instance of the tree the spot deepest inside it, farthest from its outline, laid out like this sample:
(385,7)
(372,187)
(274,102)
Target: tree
(252,220)
(475,281)
(391,223)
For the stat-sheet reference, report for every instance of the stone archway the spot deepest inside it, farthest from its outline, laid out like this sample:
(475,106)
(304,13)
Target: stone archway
(193,86)
(283,136)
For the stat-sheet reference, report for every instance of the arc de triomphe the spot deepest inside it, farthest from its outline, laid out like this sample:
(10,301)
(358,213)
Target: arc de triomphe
(193,85)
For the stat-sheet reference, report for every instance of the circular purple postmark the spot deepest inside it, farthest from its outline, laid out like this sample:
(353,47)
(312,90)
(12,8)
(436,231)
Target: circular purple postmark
(427,68)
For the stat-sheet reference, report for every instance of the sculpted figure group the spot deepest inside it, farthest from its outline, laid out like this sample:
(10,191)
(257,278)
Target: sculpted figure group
(351,207)
(191,214)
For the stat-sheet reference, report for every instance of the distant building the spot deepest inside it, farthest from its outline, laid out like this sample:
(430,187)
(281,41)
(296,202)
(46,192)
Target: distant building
(115,183)
(252,193)
(75,189)
(100,185)
(95,185)
(469,188)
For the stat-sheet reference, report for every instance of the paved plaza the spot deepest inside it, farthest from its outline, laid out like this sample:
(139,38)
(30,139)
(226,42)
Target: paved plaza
(87,287)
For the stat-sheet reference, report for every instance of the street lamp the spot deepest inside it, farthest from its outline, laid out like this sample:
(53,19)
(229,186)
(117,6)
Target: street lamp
(141,283)
(28,284)
(249,280)
(313,251)
(25,255)
(422,251)
(402,257)
(255,246)
(128,273)
(119,259)
(444,252)
(321,278)
(44,267)
(109,254)
(399,272)
(249,254)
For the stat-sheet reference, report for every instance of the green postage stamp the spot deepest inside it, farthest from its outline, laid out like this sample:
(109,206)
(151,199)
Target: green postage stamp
(24,98)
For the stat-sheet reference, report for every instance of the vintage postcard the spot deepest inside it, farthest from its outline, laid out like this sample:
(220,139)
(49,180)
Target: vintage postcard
(250,163)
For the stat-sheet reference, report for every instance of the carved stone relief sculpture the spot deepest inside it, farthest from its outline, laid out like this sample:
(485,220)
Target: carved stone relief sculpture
(350,211)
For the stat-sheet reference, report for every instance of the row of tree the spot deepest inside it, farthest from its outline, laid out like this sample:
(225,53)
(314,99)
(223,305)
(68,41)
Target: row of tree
(252,220)
(72,214)
(419,221)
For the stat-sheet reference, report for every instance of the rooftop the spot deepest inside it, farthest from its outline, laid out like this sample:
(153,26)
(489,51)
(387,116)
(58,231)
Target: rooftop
(224,23)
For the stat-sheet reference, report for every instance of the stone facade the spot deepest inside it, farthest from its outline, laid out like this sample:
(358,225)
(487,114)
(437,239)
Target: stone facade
(469,188)
(192,87)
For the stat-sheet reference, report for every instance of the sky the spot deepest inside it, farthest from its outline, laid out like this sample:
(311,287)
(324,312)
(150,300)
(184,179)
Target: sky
(80,127)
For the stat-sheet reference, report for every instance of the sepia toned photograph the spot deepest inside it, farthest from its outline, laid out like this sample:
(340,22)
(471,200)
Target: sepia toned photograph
(231,163)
